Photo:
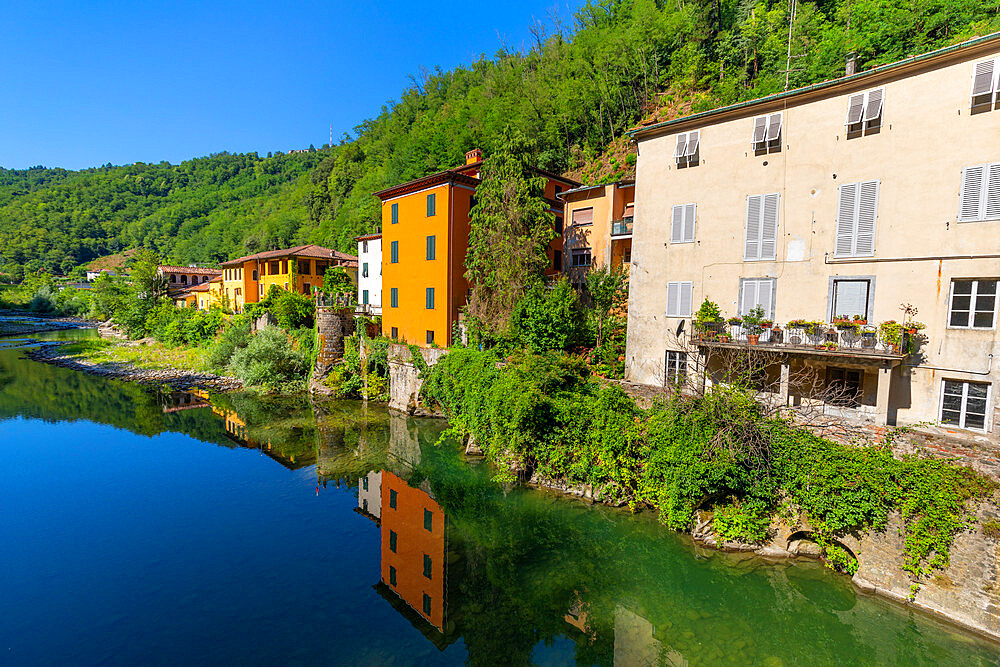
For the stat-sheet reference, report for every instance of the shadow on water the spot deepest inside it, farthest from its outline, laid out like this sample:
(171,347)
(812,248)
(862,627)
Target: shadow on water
(510,575)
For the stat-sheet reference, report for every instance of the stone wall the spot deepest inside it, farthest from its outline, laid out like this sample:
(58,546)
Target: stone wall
(333,325)
(405,381)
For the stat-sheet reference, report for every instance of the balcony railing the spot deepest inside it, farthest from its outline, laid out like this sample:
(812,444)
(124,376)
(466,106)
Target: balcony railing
(622,227)
(821,338)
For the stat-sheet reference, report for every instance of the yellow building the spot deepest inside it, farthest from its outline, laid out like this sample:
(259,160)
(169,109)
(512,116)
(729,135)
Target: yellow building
(598,229)
(425,237)
(299,269)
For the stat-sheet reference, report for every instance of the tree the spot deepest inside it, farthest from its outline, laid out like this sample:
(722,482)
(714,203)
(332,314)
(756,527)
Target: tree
(608,291)
(510,232)
(336,281)
(546,318)
(152,285)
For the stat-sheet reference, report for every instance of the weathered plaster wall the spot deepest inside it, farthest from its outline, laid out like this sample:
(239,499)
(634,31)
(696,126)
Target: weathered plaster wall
(405,381)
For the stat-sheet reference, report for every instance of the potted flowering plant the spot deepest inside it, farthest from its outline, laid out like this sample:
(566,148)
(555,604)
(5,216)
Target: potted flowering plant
(859,320)
(708,319)
(798,324)
(752,324)
(829,346)
(767,324)
(735,321)
(890,333)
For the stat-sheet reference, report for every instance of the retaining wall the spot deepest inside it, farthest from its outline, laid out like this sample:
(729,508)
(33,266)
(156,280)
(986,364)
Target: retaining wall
(405,381)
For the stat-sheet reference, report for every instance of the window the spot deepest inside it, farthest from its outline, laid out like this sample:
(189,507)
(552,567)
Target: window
(857,211)
(204,279)
(365,505)
(767,134)
(843,386)
(321,268)
(364,246)
(686,152)
(394,332)
(427,566)
(757,292)
(864,113)
(559,224)
(431,247)
(304,268)
(394,297)
(394,213)
(364,297)
(255,278)
(184,280)
(980,197)
(627,258)
(679,296)
(272,267)
(985,84)
(427,604)
(850,298)
(428,519)
(394,252)
(429,298)
(430,336)
(557,260)
(556,189)
(472,202)
(583,216)
(676,367)
(364,482)
(364,270)
(392,498)
(581,257)
(430,204)
(964,404)
(284,266)
(392,576)
(761,241)
(392,541)
(682,224)
(973,303)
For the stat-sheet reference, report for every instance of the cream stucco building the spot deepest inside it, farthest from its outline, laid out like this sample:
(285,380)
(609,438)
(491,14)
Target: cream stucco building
(849,198)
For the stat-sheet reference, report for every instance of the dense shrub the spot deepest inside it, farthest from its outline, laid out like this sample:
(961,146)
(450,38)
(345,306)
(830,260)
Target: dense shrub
(546,317)
(290,310)
(236,336)
(269,360)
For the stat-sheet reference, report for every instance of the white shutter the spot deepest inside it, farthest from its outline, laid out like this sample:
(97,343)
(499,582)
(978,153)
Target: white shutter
(673,299)
(759,130)
(769,227)
(850,298)
(681,149)
(972,193)
(983,79)
(689,213)
(677,224)
(846,207)
(855,108)
(748,299)
(992,203)
(751,249)
(692,144)
(757,292)
(864,243)
(873,108)
(774,127)
(687,294)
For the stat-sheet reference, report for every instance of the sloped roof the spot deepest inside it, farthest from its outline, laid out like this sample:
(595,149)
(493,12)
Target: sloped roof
(167,268)
(318,252)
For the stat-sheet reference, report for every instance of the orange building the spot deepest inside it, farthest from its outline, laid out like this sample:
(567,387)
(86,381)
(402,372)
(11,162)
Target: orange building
(598,229)
(299,269)
(425,237)
(413,548)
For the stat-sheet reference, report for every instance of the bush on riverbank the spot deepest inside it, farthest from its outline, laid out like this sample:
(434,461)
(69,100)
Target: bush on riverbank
(271,360)
(546,414)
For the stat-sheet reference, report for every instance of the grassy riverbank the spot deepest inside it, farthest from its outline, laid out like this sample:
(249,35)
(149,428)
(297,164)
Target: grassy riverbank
(148,356)
(720,451)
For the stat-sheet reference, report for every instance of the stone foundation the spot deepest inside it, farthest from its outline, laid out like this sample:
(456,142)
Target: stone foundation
(405,381)
(333,325)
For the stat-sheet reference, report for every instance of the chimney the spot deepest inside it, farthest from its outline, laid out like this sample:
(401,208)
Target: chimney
(475,155)
(851,64)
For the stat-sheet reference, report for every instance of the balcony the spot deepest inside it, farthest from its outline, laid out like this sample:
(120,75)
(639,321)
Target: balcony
(622,227)
(815,339)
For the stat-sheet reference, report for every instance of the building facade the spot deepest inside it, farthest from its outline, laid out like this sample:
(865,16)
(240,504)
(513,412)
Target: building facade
(299,269)
(425,237)
(370,272)
(851,199)
(181,278)
(598,228)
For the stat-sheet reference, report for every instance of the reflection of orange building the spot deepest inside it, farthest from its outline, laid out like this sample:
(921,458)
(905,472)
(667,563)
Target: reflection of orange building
(425,237)
(413,548)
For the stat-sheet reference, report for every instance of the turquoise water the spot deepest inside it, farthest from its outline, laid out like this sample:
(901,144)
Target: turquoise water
(159,528)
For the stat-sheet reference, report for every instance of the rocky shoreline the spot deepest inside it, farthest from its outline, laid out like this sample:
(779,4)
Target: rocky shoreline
(39,323)
(174,378)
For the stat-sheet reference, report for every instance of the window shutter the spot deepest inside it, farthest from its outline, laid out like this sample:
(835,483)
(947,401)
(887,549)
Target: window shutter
(751,248)
(677,224)
(867,214)
(850,298)
(748,299)
(673,299)
(692,143)
(765,296)
(982,79)
(855,108)
(769,227)
(993,192)
(759,129)
(972,193)
(874,107)
(774,127)
(686,297)
(846,206)
(583,216)
(689,213)
(681,149)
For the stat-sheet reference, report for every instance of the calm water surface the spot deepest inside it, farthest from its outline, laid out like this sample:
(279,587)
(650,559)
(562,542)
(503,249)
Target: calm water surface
(157,528)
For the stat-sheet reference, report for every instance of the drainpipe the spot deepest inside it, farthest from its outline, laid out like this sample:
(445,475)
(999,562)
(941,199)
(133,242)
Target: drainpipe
(989,368)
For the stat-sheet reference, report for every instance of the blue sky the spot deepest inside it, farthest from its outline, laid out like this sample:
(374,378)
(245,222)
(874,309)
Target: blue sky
(87,83)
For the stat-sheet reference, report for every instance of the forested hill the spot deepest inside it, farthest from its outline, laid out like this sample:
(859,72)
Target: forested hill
(574,92)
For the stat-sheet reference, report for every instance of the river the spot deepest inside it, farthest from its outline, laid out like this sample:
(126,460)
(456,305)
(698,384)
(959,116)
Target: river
(163,528)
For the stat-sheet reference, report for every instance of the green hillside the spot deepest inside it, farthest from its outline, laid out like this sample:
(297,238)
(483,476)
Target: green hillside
(574,93)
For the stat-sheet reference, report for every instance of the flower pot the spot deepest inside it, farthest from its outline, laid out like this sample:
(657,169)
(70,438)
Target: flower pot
(911,331)
(753,338)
